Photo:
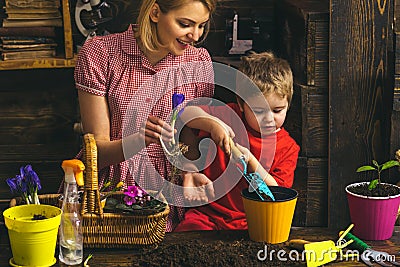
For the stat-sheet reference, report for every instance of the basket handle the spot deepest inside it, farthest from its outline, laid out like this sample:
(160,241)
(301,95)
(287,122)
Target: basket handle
(91,193)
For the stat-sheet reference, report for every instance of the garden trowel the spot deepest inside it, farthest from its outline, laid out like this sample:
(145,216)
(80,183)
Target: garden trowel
(256,183)
(316,253)
(323,252)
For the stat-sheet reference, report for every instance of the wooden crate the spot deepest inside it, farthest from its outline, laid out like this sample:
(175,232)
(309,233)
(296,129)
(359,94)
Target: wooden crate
(303,39)
(311,182)
(307,120)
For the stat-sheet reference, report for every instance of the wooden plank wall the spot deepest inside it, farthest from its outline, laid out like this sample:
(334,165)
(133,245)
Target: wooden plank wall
(303,39)
(38,109)
(395,119)
(360,94)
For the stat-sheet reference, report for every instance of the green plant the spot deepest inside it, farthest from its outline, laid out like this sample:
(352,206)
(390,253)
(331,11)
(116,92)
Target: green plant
(135,200)
(378,168)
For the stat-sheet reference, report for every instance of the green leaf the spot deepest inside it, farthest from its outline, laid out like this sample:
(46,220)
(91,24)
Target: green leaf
(111,204)
(123,207)
(390,164)
(375,163)
(366,168)
(372,184)
(136,207)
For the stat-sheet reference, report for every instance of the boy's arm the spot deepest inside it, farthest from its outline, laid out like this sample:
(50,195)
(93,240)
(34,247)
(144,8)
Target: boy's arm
(196,118)
(254,166)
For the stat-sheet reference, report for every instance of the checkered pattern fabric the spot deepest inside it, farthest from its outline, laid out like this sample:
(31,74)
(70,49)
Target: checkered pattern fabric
(114,67)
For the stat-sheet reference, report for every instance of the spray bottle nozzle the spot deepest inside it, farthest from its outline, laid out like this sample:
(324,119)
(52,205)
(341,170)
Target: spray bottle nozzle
(73,169)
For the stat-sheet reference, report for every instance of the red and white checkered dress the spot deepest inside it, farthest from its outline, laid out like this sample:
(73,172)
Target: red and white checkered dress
(114,67)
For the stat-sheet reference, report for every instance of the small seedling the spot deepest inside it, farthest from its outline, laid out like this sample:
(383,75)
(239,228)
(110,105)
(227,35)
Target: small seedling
(86,262)
(378,168)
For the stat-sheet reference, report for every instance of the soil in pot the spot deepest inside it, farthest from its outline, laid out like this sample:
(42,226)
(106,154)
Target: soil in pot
(37,217)
(381,190)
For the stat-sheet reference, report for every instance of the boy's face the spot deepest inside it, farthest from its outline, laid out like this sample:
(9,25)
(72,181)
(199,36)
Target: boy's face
(262,118)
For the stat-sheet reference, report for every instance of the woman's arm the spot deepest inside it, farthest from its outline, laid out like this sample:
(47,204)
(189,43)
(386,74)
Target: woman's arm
(96,120)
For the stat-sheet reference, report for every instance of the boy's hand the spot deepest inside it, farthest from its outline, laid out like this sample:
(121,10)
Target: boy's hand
(221,134)
(254,166)
(197,188)
(248,156)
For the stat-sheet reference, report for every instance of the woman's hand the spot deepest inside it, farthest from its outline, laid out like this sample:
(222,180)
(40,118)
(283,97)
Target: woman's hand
(197,188)
(154,128)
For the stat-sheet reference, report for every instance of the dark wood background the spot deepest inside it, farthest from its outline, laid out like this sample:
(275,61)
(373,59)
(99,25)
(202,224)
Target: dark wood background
(360,95)
(38,109)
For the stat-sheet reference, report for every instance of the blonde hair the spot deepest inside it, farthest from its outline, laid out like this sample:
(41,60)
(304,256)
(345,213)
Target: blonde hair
(269,73)
(147,31)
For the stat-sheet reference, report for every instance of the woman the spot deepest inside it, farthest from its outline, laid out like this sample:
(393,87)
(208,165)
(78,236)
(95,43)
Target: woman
(125,83)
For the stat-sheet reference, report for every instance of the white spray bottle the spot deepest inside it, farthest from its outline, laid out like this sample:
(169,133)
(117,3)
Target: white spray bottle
(70,234)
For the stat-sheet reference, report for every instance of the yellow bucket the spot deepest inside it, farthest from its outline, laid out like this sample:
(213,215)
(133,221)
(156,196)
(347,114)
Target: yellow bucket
(33,242)
(270,221)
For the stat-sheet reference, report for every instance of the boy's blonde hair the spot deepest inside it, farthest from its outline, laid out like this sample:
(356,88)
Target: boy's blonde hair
(147,31)
(269,73)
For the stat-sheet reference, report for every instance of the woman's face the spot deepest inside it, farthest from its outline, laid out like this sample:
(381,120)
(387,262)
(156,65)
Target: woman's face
(181,27)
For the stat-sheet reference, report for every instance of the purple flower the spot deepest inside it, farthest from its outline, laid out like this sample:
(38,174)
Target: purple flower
(26,183)
(177,99)
(13,184)
(31,178)
(133,191)
(129,200)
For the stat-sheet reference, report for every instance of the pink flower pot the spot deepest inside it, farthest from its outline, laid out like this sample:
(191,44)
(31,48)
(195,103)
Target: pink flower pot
(373,217)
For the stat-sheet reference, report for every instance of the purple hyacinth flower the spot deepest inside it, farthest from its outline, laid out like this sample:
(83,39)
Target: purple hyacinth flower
(31,177)
(12,183)
(177,99)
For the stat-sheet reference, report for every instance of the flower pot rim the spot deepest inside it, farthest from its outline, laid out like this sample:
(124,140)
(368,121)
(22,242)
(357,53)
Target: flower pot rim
(7,211)
(21,224)
(273,188)
(369,197)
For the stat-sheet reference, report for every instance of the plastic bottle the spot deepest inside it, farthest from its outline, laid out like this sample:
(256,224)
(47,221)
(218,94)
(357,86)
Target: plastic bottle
(70,233)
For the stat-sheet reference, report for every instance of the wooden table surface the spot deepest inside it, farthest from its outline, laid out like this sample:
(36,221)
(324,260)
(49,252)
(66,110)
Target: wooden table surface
(130,257)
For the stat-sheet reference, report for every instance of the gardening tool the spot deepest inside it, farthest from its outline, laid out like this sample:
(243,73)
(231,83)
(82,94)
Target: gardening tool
(323,252)
(368,254)
(256,183)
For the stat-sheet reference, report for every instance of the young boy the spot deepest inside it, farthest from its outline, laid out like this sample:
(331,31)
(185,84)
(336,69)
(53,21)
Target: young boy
(274,160)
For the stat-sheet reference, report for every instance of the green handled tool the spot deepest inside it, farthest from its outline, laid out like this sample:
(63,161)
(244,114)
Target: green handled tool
(368,254)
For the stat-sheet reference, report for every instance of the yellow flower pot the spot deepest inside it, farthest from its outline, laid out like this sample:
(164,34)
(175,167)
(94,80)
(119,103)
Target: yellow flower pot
(270,221)
(33,242)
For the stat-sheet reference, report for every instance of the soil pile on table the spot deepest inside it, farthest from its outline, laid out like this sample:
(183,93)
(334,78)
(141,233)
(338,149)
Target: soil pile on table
(219,253)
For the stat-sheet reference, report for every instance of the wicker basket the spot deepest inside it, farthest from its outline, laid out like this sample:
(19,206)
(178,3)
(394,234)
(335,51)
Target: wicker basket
(110,230)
